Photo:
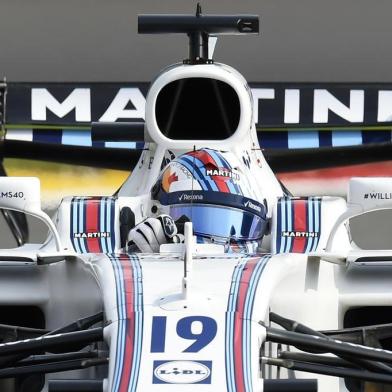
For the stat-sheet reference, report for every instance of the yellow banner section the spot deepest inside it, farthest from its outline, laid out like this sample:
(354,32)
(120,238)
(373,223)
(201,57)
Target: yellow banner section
(60,180)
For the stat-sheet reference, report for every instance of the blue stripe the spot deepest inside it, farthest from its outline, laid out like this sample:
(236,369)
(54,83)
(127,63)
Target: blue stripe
(81,224)
(122,322)
(276,139)
(111,224)
(314,240)
(129,145)
(289,216)
(47,136)
(76,137)
(278,239)
(311,225)
(283,207)
(303,139)
(231,183)
(102,224)
(230,313)
(218,159)
(202,170)
(109,219)
(325,138)
(317,221)
(248,310)
(195,172)
(74,225)
(120,344)
(376,137)
(124,319)
(138,320)
(346,138)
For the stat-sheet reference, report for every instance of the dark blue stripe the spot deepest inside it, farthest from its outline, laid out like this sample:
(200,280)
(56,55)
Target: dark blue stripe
(279,227)
(325,138)
(291,211)
(84,223)
(72,225)
(98,144)
(191,161)
(376,137)
(47,136)
(112,229)
(275,139)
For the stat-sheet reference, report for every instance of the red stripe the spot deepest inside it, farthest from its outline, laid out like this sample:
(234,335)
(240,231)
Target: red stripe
(238,324)
(300,224)
(207,159)
(130,326)
(92,225)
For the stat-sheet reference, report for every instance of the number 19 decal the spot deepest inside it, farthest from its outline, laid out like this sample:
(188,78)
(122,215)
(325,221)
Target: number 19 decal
(184,331)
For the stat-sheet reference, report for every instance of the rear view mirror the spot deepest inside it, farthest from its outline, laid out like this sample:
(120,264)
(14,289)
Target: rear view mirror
(370,194)
(20,194)
(24,194)
(365,194)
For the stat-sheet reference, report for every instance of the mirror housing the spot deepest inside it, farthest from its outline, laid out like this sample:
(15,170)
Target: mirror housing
(365,194)
(370,194)
(24,194)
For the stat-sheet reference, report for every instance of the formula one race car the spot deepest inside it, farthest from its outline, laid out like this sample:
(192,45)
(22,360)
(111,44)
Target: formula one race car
(305,310)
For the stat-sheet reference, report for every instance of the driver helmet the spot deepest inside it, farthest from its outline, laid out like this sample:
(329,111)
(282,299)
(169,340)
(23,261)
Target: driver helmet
(212,189)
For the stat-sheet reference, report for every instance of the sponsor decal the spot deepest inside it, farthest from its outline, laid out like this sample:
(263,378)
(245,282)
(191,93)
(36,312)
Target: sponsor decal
(305,234)
(12,195)
(99,234)
(169,227)
(378,196)
(223,172)
(186,197)
(291,103)
(252,206)
(182,372)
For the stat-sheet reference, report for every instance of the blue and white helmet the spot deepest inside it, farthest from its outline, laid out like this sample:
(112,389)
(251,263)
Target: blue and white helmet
(212,189)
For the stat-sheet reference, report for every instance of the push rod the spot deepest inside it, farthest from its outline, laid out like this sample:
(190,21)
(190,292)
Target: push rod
(333,346)
(329,370)
(53,367)
(43,343)
(40,359)
(294,326)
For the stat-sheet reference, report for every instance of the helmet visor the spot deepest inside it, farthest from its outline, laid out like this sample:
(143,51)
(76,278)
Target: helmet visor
(215,221)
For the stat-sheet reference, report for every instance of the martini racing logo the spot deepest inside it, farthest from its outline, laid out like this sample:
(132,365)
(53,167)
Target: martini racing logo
(222,172)
(98,234)
(252,206)
(182,372)
(300,234)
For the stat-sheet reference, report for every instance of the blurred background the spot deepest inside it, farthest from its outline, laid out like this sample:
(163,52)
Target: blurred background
(96,40)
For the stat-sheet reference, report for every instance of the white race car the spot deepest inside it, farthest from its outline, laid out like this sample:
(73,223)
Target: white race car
(308,311)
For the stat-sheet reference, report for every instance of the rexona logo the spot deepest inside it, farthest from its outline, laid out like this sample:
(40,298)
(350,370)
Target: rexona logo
(305,234)
(12,195)
(378,196)
(186,197)
(99,234)
(182,372)
(255,207)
